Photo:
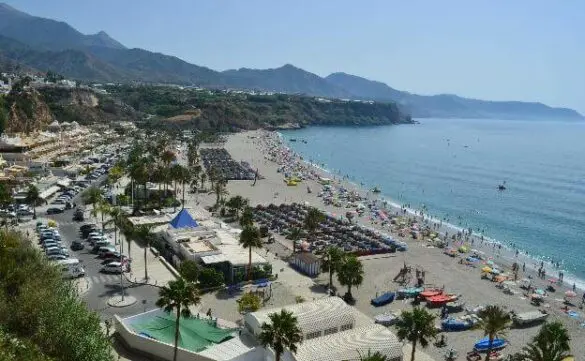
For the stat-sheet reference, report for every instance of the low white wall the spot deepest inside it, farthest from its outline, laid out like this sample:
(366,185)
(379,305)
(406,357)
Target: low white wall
(153,348)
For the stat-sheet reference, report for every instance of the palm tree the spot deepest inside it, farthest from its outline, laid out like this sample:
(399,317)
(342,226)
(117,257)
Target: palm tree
(143,234)
(139,172)
(494,322)
(350,273)
(116,216)
(203,178)
(312,220)
(219,190)
(32,198)
(247,218)
(175,175)
(282,331)
(250,238)
(178,296)
(93,196)
(237,204)
(334,258)
(416,326)
(295,234)
(550,344)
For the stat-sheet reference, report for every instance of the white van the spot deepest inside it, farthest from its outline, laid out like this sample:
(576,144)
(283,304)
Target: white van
(71,268)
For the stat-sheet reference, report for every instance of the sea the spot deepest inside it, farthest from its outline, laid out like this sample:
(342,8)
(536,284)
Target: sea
(452,169)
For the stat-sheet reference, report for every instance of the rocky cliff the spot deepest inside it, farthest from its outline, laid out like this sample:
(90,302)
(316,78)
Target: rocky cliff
(27,112)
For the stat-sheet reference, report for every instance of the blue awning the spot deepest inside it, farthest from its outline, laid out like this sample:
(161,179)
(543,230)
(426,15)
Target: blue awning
(183,220)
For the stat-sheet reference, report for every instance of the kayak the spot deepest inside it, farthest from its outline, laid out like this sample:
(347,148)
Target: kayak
(409,292)
(383,299)
(483,344)
(386,319)
(431,292)
(439,300)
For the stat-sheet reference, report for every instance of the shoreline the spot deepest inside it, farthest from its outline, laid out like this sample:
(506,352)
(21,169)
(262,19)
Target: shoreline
(441,270)
(506,254)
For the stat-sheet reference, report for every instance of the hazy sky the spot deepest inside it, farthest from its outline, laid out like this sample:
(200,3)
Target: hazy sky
(531,50)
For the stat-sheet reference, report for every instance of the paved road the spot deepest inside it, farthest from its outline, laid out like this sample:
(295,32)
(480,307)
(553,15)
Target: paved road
(100,286)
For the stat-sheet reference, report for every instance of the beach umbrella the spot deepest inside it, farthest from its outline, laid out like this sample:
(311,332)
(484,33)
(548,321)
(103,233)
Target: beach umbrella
(536,296)
(570,293)
(540,291)
(486,269)
(496,271)
(553,280)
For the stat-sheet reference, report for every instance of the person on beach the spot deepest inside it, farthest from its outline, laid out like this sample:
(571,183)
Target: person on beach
(524,267)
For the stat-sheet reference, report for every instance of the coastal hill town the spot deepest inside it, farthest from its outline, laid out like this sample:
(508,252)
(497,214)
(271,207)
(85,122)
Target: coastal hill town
(155,240)
(153,215)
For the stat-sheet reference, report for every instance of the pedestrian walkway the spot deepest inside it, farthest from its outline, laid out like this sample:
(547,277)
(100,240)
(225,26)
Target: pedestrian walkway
(102,279)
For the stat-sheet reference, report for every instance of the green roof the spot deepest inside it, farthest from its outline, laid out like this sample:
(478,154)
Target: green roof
(195,334)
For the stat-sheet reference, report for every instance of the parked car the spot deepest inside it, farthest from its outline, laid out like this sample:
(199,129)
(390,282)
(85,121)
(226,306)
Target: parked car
(113,267)
(77,245)
(56,257)
(54,210)
(102,251)
(56,250)
(78,216)
(114,257)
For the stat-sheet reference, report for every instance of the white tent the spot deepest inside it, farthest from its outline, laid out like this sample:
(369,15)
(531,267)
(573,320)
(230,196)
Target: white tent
(350,345)
(317,318)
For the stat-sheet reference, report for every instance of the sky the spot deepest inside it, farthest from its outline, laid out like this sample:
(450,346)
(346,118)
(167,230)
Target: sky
(530,50)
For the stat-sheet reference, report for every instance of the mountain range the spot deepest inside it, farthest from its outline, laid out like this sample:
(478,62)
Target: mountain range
(46,44)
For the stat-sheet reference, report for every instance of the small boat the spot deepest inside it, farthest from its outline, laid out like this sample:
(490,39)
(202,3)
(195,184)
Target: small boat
(293,140)
(455,306)
(529,318)
(409,292)
(458,324)
(386,319)
(483,344)
(431,292)
(474,310)
(439,300)
(376,190)
(384,299)
(502,186)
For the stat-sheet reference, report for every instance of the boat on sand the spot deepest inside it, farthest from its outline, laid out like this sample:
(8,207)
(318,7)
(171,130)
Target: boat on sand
(409,292)
(455,306)
(483,344)
(431,292)
(459,324)
(386,319)
(384,299)
(442,299)
(529,318)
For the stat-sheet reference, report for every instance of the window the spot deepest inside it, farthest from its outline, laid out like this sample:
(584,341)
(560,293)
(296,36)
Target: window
(329,331)
(346,327)
(311,335)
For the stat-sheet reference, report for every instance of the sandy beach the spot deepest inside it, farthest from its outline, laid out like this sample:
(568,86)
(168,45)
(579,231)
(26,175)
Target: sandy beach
(441,270)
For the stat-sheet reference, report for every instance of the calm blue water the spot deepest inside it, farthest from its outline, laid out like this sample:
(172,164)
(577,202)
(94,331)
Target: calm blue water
(453,168)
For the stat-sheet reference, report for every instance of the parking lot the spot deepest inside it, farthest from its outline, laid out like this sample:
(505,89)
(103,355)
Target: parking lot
(67,243)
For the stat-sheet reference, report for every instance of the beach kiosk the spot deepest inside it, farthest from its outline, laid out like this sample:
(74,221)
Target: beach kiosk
(307,263)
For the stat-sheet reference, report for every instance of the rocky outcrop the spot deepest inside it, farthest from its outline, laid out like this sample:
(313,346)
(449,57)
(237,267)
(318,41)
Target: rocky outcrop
(27,112)
(84,98)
